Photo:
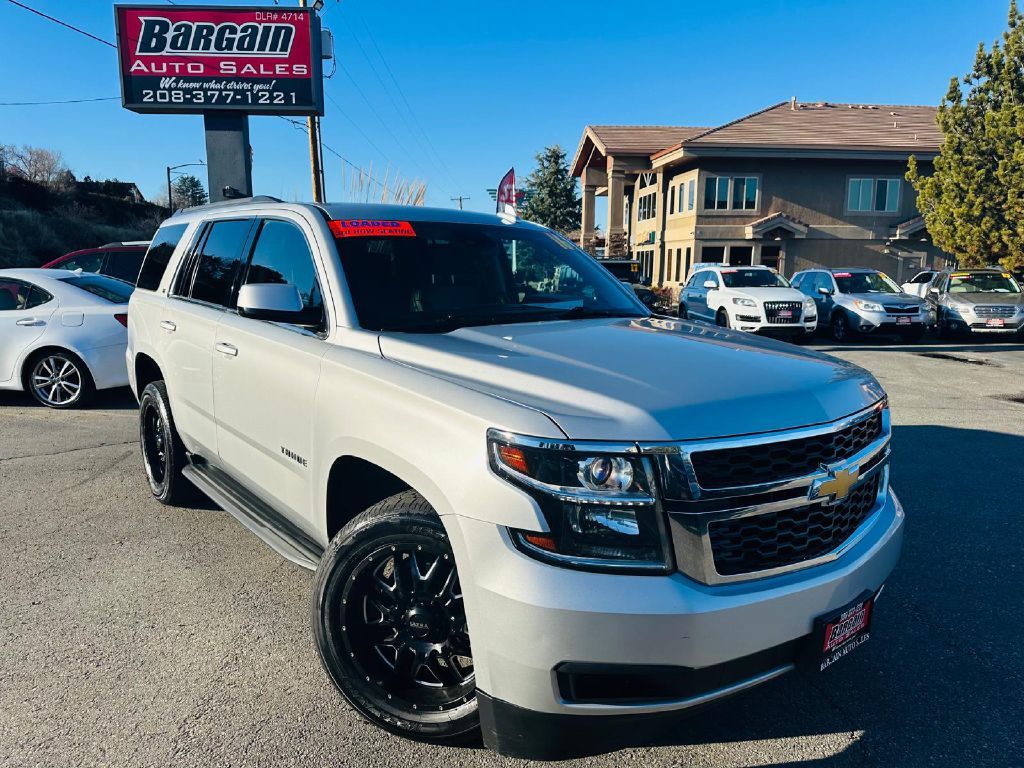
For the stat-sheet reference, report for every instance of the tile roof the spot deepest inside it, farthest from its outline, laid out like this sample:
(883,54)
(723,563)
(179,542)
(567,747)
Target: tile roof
(823,125)
(640,139)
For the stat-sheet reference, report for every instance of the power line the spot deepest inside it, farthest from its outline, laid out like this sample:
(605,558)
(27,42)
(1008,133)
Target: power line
(62,23)
(64,101)
(301,127)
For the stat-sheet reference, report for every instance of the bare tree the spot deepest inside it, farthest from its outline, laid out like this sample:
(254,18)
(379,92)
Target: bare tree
(38,164)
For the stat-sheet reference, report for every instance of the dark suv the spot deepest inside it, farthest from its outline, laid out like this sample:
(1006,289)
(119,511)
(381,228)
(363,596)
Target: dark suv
(120,260)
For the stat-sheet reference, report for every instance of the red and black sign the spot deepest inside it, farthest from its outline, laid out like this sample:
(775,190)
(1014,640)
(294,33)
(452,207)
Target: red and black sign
(190,59)
(371,228)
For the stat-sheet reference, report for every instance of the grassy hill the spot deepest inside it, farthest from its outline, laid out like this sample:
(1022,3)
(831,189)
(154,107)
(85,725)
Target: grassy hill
(38,224)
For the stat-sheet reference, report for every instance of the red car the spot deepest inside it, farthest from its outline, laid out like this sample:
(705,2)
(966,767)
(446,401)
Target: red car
(120,260)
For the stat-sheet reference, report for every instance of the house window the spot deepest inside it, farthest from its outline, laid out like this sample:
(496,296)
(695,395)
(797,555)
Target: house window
(679,264)
(743,195)
(874,195)
(671,200)
(647,206)
(691,194)
(713,254)
(686,267)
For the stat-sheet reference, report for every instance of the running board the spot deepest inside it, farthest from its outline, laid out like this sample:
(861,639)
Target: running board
(283,536)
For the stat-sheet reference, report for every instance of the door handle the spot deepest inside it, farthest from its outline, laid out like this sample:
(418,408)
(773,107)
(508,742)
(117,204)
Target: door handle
(168,326)
(226,349)
(29,321)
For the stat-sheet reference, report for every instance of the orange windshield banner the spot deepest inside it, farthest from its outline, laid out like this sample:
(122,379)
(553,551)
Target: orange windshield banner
(371,228)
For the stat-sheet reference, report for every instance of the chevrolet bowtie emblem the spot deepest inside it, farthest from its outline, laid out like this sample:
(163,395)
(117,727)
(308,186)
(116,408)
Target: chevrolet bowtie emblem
(837,485)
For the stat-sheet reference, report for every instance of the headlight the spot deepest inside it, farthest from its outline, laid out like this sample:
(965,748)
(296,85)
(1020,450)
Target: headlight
(868,306)
(809,306)
(956,309)
(744,302)
(597,500)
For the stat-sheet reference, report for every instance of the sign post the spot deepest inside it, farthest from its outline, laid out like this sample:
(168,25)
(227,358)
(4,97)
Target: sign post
(225,63)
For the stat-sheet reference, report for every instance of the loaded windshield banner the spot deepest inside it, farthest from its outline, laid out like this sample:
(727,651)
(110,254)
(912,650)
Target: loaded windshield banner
(191,59)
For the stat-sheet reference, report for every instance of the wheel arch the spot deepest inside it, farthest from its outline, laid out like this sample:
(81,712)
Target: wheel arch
(147,370)
(344,499)
(32,353)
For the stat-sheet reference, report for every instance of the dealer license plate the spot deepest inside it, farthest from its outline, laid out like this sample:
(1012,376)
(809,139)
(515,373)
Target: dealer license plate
(837,634)
(902,321)
(995,322)
(785,313)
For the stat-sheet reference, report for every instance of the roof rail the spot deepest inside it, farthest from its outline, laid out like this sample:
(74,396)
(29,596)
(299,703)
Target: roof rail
(121,244)
(229,204)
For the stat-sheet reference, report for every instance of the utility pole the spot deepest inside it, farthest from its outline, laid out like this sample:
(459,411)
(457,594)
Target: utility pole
(460,198)
(315,156)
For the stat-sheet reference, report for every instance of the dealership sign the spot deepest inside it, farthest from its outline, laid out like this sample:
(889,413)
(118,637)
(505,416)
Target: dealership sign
(191,59)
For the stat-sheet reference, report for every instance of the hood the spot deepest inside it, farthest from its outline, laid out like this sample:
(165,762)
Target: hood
(770,294)
(647,379)
(887,299)
(1009,299)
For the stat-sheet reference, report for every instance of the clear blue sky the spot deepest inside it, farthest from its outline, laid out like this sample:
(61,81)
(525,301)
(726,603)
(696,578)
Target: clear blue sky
(492,83)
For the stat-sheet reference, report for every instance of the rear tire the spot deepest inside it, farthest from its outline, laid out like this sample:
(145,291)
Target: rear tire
(163,453)
(58,379)
(389,623)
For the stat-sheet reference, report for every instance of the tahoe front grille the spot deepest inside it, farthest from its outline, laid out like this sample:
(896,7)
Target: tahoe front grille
(790,536)
(773,308)
(993,311)
(772,462)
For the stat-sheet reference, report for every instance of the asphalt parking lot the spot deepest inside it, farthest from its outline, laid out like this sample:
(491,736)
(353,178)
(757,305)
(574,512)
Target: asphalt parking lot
(138,635)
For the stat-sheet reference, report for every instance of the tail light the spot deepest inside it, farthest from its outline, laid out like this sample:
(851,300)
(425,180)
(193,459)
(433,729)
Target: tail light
(122,318)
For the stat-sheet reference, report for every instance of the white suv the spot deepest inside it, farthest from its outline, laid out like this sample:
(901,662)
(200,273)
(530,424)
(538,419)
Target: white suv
(750,298)
(535,510)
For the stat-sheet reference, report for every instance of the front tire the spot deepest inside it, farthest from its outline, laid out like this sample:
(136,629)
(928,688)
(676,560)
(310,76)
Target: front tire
(722,319)
(840,328)
(683,314)
(389,623)
(58,379)
(163,453)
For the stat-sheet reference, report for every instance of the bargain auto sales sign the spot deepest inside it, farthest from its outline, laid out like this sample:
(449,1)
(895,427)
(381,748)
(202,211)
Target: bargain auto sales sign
(181,58)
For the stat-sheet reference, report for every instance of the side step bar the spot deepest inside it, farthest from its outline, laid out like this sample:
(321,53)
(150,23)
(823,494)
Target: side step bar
(283,536)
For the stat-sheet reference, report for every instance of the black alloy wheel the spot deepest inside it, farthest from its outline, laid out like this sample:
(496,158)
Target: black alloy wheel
(390,624)
(163,453)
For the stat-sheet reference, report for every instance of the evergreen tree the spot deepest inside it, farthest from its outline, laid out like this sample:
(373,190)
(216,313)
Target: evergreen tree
(973,204)
(551,193)
(188,191)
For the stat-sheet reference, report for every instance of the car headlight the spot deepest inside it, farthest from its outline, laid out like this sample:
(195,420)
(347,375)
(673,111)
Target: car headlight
(598,502)
(810,306)
(744,302)
(956,309)
(868,306)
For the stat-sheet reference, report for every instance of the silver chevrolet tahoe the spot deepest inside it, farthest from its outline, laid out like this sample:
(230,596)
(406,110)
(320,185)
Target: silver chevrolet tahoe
(535,511)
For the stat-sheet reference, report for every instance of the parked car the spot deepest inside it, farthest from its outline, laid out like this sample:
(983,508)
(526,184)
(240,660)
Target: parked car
(863,301)
(751,298)
(62,334)
(986,301)
(120,260)
(918,285)
(534,510)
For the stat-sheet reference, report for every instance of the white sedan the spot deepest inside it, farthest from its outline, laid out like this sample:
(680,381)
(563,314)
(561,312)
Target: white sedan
(62,334)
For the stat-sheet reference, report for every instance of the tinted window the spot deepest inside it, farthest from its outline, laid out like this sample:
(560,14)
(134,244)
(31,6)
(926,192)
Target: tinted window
(124,265)
(219,261)
(159,255)
(106,288)
(37,297)
(14,294)
(864,282)
(88,262)
(753,278)
(924,277)
(282,255)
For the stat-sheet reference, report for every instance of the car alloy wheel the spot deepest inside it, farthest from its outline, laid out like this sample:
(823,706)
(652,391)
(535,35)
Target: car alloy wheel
(404,627)
(840,328)
(154,445)
(57,381)
(722,319)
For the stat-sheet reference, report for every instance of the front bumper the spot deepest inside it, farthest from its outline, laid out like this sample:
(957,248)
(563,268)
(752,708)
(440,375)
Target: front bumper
(885,322)
(529,620)
(753,321)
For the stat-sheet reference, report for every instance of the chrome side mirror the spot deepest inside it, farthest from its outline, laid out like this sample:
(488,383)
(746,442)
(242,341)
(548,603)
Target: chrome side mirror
(277,302)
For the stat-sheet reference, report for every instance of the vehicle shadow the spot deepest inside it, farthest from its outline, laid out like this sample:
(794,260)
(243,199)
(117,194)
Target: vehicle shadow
(939,683)
(118,399)
(885,344)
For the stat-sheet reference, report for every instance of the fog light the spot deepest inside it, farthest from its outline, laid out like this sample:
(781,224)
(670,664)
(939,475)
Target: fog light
(597,521)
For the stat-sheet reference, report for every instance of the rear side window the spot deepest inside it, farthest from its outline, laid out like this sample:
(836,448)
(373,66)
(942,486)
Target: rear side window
(87,262)
(159,256)
(124,265)
(106,288)
(220,260)
(14,294)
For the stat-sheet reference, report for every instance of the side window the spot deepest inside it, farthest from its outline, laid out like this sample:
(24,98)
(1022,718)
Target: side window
(219,261)
(37,297)
(159,255)
(282,255)
(797,280)
(713,277)
(124,265)
(89,262)
(14,294)
(924,277)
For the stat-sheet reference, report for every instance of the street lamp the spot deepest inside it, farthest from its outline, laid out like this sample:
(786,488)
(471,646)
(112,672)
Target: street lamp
(170,194)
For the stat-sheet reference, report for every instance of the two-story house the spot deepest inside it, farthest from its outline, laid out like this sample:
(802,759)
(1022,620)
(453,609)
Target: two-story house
(794,185)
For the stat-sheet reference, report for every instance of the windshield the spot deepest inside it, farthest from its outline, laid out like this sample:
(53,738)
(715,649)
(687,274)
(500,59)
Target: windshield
(753,278)
(432,277)
(982,282)
(864,282)
(107,288)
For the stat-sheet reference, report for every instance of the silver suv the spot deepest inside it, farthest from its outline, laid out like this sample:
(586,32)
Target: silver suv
(986,301)
(863,301)
(535,511)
